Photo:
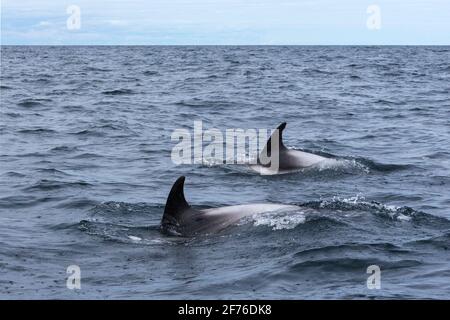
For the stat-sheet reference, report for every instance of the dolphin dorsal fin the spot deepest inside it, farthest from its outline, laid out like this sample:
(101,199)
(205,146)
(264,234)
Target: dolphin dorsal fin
(280,129)
(176,203)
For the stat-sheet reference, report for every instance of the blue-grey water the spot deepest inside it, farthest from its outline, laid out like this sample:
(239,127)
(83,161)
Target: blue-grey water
(85,170)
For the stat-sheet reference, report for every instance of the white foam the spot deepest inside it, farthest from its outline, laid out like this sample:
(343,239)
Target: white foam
(134,238)
(343,164)
(279,220)
(390,210)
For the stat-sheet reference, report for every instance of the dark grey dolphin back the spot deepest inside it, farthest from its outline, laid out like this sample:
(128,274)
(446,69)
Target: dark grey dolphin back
(180,219)
(280,129)
(278,134)
(176,205)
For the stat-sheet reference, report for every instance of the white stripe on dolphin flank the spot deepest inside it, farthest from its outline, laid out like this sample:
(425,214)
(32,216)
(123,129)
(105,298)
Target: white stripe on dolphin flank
(181,219)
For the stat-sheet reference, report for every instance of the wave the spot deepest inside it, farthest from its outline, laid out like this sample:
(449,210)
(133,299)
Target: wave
(20,201)
(115,130)
(89,132)
(312,213)
(313,71)
(77,204)
(14,174)
(63,149)
(48,185)
(87,155)
(440,241)
(347,264)
(206,103)
(358,203)
(121,209)
(118,92)
(30,103)
(37,131)
(96,69)
(13,114)
(337,249)
(389,102)
(150,73)
(380,167)
(73,108)
(52,171)
(355,66)
(124,233)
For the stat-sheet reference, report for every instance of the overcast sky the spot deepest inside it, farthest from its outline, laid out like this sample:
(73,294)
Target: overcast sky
(226,22)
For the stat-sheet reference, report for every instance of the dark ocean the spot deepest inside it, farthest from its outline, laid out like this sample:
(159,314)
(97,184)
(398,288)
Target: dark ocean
(85,170)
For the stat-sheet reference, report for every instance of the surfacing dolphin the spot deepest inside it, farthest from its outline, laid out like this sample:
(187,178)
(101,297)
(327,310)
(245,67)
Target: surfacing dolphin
(181,219)
(288,160)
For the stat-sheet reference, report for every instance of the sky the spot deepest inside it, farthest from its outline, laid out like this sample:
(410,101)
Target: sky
(225,22)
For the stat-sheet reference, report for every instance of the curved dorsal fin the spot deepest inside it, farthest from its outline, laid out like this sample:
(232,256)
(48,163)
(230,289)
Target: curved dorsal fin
(176,203)
(279,132)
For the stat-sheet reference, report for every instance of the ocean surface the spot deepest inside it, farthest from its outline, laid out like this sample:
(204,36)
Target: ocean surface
(85,169)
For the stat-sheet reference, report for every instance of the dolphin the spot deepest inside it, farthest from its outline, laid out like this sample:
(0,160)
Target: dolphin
(288,160)
(181,219)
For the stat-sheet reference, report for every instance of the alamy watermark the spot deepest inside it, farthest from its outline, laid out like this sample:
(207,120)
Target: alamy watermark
(374,20)
(235,146)
(74,20)
(74,279)
(374,280)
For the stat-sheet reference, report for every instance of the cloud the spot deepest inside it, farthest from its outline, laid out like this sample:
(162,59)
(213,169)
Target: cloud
(117,23)
(44,24)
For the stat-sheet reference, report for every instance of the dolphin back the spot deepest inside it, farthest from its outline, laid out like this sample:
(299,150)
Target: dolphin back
(277,137)
(176,205)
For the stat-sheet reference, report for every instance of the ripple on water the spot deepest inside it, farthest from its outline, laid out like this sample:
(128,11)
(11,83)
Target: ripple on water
(118,92)
(32,103)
